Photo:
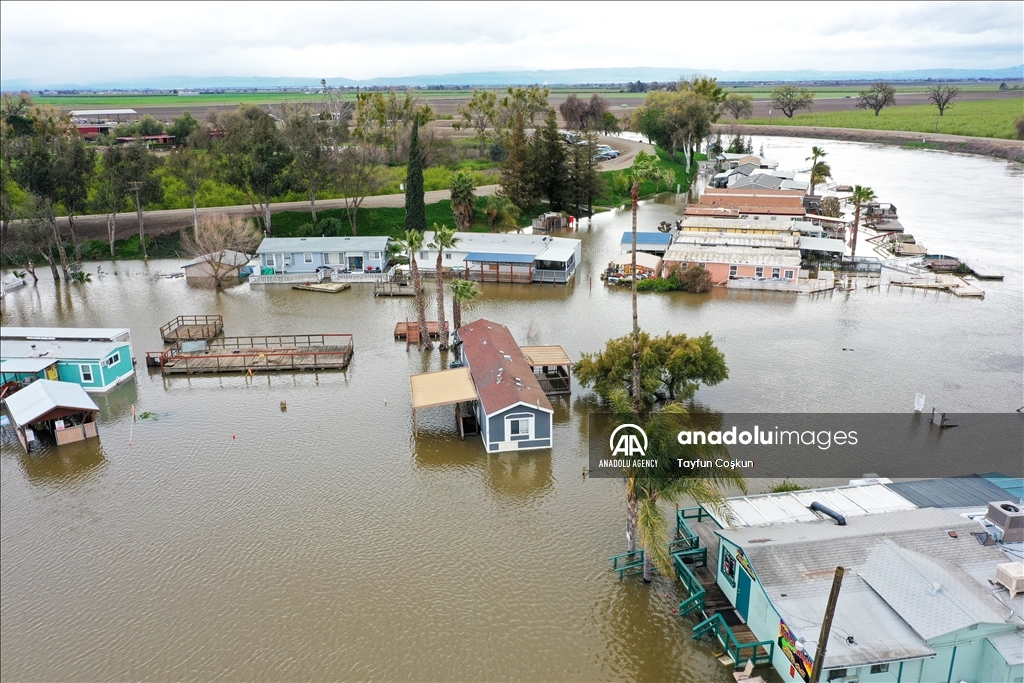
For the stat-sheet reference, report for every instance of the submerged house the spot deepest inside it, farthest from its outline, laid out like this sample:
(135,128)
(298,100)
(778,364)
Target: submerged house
(927,594)
(218,266)
(97,359)
(656,243)
(296,259)
(61,408)
(505,257)
(729,257)
(499,390)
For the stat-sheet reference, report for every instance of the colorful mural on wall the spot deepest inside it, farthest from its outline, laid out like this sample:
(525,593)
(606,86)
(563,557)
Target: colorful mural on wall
(800,662)
(745,563)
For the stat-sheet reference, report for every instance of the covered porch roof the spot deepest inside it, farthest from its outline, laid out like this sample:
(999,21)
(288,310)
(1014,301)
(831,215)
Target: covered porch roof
(48,400)
(546,355)
(442,388)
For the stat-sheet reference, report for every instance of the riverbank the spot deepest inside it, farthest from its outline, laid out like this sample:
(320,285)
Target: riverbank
(1012,150)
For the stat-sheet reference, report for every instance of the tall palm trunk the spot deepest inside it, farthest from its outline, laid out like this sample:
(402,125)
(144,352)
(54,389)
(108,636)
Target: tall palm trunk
(456,312)
(853,236)
(632,510)
(442,324)
(637,397)
(421,309)
(648,565)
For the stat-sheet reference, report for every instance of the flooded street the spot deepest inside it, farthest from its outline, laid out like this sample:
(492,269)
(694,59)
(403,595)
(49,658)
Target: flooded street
(225,538)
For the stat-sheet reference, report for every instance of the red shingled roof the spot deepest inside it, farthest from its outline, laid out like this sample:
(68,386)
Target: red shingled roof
(496,362)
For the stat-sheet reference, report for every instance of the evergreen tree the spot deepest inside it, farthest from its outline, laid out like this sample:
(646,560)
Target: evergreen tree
(549,161)
(517,170)
(415,210)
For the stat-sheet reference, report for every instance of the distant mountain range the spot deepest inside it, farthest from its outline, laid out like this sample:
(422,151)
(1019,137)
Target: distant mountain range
(497,78)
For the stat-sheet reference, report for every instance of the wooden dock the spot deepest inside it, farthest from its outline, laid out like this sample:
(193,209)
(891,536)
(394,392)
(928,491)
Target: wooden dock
(326,287)
(403,329)
(192,327)
(941,282)
(264,353)
(393,289)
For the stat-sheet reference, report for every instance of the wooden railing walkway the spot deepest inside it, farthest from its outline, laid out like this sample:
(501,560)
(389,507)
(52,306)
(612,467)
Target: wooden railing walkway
(266,352)
(190,327)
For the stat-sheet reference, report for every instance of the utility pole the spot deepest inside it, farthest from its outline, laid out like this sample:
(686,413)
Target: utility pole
(826,624)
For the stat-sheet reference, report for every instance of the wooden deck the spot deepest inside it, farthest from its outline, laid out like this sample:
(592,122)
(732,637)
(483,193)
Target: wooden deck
(192,327)
(284,353)
(393,289)
(402,329)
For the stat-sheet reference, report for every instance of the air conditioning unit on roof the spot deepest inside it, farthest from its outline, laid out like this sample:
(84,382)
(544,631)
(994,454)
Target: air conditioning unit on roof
(1011,576)
(1009,518)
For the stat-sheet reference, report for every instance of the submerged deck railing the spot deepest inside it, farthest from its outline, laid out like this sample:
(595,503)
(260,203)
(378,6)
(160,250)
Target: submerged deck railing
(739,652)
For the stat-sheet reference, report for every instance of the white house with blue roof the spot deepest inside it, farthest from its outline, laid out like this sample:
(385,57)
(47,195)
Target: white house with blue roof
(656,243)
(506,257)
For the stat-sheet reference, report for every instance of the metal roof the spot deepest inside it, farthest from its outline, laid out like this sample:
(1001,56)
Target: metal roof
(794,506)
(58,349)
(298,245)
(502,376)
(664,238)
(26,364)
(102,112)
(68,333)
(42,396)
(442,388)
(491,257)
(559,249)
(959,492)
(822,244)
(1010,646)
(689,253)
(931,595)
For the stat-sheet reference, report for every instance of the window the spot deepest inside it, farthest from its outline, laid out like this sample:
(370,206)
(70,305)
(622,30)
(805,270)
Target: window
(447,256)
(759,271)
(86,371)
(270,261)
(836,673)
(332,258)
(519,427)
(112,360)
(789,274)
(728,565)
(732,271)
(375,256)
(879,668)
(702,265)
(307,257)
(775,273)
(423,255)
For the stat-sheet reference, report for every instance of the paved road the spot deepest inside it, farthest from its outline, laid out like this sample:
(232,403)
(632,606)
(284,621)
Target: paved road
(161,222)
(627,151)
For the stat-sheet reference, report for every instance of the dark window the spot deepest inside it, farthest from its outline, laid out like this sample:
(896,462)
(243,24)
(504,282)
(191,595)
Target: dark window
(879,668)
(836,673)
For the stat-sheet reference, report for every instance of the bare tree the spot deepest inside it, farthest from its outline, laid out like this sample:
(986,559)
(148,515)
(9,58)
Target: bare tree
(218,241)
(942,96)
(358,176)
(877,97)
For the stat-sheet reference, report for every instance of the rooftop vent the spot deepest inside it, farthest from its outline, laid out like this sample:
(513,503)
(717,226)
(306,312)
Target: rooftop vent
(936,588)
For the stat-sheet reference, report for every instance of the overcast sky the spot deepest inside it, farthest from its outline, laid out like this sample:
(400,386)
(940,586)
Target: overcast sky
(62,43)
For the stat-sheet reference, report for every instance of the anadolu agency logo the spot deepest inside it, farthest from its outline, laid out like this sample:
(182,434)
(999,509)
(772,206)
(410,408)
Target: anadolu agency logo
(628,444)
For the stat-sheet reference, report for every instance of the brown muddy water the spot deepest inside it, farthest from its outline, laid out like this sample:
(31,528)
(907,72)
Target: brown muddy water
(231,540)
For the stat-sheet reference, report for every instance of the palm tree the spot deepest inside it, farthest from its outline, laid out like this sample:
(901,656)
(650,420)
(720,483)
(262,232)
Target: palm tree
(819,171)
(444,238)
(645,488)
(860,197)
(463,200)
(502,214)
(463,291)
(816,153)
(413,243)
(645,168)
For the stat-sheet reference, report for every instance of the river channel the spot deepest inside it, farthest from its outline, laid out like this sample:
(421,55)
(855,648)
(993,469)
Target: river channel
(224,538)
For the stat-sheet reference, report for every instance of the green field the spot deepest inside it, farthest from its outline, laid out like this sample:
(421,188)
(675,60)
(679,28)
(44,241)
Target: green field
(984,118)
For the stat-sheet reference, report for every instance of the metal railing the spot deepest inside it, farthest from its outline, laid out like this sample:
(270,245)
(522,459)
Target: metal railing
(715,625)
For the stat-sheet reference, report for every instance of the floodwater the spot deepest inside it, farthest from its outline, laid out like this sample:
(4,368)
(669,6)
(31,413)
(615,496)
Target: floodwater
(225,538)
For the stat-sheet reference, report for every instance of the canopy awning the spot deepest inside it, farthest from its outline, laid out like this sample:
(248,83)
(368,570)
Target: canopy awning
(46,398)
(545,355)
(493,257)
(442,388)
(26,365)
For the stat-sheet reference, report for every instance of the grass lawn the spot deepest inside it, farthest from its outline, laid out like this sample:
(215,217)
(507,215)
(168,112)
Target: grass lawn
(985,118)
(616,194)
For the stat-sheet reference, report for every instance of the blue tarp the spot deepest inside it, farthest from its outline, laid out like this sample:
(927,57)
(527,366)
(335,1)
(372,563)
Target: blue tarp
(662,238)
(491,257)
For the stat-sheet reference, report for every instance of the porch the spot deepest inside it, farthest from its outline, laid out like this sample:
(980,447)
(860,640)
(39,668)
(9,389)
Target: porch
(552,368)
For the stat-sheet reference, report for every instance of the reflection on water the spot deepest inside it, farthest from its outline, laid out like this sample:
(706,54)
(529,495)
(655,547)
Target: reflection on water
(234,539)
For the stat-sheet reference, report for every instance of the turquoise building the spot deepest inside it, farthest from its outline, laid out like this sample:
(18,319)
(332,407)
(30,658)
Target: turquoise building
(97,359)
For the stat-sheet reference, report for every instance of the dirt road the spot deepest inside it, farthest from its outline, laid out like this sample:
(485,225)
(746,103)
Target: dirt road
(163,222)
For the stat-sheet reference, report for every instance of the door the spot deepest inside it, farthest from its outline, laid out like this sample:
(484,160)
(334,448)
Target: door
(355,262)
(742,593)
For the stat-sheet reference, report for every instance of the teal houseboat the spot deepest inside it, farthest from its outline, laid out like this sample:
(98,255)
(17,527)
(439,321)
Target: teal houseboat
(97,359)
